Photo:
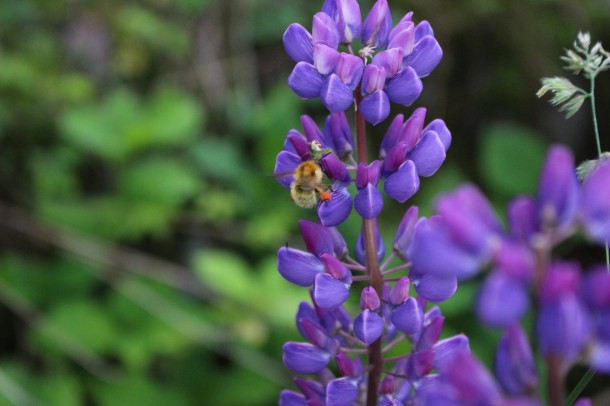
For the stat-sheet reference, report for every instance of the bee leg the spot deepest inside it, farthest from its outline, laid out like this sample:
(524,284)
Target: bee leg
(324,194)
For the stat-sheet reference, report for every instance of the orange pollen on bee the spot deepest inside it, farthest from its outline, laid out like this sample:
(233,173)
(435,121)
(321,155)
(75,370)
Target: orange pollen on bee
(325,196)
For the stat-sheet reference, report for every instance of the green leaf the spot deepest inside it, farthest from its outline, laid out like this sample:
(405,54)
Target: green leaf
(225,273)
(86,322)
(510,159)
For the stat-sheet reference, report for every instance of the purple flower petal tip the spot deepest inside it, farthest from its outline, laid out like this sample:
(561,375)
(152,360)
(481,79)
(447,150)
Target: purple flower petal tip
(428,155)
(435,288)
(329,293)
(405,87)
(290,398)
(298,43)
(305,80)
(368,202)
(335,95)
(426,55)
(336,210)
(304,358)
(402,184)
(408,317)
(342,392)
(298,267)
(375,107)
(368,326)
(498,290)
(596,204)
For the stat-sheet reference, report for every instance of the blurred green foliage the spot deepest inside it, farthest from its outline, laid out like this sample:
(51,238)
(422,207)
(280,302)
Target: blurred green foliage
(139,221)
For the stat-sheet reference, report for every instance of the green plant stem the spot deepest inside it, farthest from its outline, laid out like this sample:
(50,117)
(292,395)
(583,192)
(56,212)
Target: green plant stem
(599,147)
(372,264)
(595,127)
(584,381)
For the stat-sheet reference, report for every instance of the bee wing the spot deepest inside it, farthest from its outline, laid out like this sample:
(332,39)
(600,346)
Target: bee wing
(285,165)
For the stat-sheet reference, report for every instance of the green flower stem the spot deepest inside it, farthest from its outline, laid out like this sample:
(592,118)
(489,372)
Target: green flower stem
(372,264)
(592,96)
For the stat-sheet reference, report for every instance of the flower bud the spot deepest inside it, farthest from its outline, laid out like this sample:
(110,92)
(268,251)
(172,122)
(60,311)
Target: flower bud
(400,291)
(369,299)
(373,79)
(335,169)
(349,69)
(325,30)
(377,25)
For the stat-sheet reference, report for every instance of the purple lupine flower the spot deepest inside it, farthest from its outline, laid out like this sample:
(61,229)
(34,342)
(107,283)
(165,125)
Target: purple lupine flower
(360,250)
(368,326)
(596,204)
(563,325)
(508,283)
(346,14)
(415,151)
(368,202)
(394,74)
(514,365)
(595,293)
(321,70)
(558,191)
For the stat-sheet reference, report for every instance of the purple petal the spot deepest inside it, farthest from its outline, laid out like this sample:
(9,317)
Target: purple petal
(375,107)
(400,292)
(368,326)
(522,218)
(305,312)
(433,251)
(305,80)
(298,267)
(285,165)
(342,391)
(368,202)
(514,364)
(408,317)
(336,210)
(412,129)
(337,129)
(339,244)
(440,128)
(324,58)
(423,29)
(310,388)
(402,184)
(404,39)
(595,289)
(349,69)
(474,383)
(390,60)
(404,233)
(377,25)
(391,136)
(304,358)
(396,157)
(596,204)
(369,299)
(563,327)
(346,14)
(329,293)
(446,349)
(335,169)
(311,130)
(336,268)
(405,87)
(420,364)
(297,144)
(290,398)
(431,332)
(502,300)
(367,174)
(434,288)
(428,155)
(475,225)
(373,79)
(426,55)
(559,190)
(298,43)
(335,95)
(318,239)
(324,29)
